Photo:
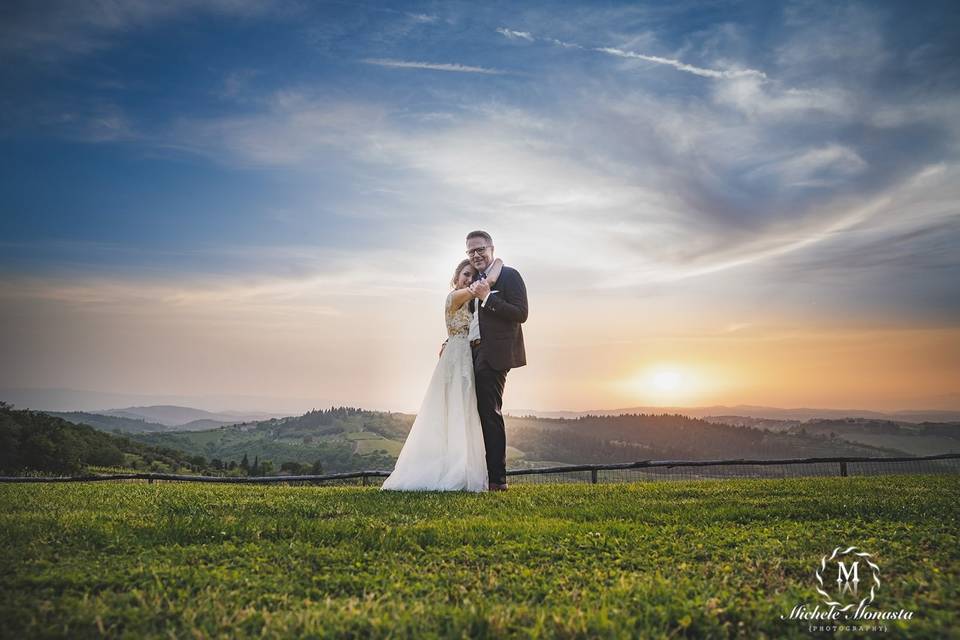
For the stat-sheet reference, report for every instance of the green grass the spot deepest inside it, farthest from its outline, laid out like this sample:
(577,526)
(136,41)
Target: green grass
(668,559)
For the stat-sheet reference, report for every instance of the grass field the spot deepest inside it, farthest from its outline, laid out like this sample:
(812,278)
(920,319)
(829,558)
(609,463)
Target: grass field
(669,559)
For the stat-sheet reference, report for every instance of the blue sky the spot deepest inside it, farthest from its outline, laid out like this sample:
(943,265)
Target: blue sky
(749,169)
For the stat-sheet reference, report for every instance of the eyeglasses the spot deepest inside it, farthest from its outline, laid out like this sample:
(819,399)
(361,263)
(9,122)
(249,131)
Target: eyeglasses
(476,250)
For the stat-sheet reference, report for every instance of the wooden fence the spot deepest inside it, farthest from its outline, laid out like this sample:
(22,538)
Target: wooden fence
(842,466)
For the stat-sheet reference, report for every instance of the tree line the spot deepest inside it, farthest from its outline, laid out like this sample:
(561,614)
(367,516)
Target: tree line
(33,442)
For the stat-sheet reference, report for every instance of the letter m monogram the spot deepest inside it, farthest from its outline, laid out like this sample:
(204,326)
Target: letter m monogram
(847,575)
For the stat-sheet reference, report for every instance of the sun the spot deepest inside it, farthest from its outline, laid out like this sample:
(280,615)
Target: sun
(665,384)
(666,380)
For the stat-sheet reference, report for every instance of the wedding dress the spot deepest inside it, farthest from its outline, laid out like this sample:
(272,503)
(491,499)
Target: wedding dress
(444,450)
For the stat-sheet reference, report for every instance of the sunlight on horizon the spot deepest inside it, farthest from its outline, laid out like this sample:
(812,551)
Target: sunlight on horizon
(666,384)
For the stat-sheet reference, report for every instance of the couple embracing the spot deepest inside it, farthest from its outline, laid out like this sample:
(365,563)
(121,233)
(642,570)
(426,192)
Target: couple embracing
(458,440)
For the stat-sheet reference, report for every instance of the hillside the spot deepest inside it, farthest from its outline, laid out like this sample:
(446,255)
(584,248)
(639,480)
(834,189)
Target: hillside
(626,438)
(341,439)
(916,439)
(113,424)
(925,438)
(702,559)
(352,439)
(182,417)
(766,413)
(33,442)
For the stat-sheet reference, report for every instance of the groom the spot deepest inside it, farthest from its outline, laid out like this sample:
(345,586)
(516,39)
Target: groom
(496,339)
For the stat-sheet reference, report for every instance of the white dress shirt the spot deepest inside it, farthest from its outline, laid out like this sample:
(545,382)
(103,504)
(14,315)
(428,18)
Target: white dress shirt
(475,320)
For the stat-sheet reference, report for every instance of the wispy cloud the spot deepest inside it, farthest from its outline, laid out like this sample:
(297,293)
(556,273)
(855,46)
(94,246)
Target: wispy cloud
(682,66)
(432,66)
(679,65)
(516,35)
(822,166)
(423,17)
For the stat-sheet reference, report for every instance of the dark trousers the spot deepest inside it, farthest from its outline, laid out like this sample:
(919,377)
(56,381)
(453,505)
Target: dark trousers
(490,383)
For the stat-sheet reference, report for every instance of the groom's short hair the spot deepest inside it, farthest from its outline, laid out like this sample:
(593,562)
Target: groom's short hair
(480,234)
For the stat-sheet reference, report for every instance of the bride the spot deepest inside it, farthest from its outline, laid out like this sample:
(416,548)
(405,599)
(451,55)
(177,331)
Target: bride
(444,450)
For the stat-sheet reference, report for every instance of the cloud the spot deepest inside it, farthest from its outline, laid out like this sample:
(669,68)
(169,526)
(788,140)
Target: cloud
(515,35)
(646,188)
(423,17)
(432,66)
(631,55)
(757,97)
(290,129)
(821,166)
(662,188)
(682,66)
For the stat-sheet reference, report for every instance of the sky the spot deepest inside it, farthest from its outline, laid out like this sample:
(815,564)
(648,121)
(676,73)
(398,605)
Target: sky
(709,202)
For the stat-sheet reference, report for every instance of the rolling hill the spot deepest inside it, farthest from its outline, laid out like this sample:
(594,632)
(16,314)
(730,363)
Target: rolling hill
(350,439)
(34,442)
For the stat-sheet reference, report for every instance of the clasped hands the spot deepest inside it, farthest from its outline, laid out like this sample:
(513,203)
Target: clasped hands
(480,289)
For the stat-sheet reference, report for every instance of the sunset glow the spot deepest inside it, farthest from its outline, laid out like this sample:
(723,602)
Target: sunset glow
(744,204)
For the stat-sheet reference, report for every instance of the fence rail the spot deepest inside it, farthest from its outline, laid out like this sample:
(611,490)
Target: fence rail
(616,472)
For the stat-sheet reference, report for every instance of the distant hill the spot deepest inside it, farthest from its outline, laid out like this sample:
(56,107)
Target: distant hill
(915,439)
(109,423)
(33,442)
(350,439)
(925,438)
(353,439)
(628,438)
(203,424)
(183,417)
(132,422)
(340,438)
(65,399)
(767,413)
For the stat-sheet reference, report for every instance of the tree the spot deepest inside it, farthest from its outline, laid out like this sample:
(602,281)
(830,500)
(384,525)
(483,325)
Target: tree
(295,468)
(245,463)
(108,455)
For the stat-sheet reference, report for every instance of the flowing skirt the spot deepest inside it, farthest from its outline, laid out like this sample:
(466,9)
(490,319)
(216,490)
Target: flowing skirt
(444,450)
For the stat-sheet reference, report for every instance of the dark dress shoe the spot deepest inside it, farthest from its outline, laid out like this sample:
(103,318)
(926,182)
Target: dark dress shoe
(496,486)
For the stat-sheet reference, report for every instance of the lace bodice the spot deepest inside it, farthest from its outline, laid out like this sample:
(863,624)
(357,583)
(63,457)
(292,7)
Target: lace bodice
(458,320)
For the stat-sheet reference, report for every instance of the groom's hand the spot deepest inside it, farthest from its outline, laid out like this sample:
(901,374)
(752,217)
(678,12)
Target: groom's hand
(480,289)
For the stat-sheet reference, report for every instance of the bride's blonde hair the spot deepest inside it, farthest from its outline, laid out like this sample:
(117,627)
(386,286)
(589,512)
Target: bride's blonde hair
(456,273)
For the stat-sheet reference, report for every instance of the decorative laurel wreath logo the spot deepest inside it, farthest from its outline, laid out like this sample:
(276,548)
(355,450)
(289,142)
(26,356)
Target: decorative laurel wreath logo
(843,573)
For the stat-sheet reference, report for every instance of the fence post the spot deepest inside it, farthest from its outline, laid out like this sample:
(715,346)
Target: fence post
(843,469)
(363,479)
(593,476)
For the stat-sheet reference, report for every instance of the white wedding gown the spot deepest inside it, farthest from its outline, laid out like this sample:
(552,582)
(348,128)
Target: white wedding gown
(444,450)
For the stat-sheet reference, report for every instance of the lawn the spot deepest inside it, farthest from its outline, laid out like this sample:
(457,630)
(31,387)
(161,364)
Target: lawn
(655,559)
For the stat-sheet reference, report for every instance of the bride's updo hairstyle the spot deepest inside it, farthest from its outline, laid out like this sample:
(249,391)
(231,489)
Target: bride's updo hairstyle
(456,273)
